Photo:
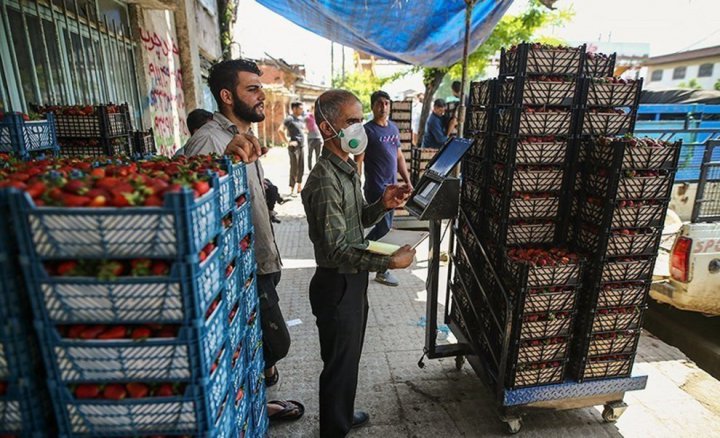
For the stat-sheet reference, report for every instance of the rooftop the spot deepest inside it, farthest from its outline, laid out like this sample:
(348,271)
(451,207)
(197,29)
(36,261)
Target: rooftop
(705,52)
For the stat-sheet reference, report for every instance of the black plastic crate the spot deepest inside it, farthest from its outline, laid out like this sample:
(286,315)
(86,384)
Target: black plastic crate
(610,92)
(102,122)
(478,119)
(480,147)
(624,214)
(534,276)
(622,242)
(545,325)
(542,350)
(623,294)
(143,143)
(599,65)
(605,367)
(606,122)
(537,374)
(548,150)
(94,147)
(632,185)
(615,319)
(549,299)
(482,93)
(627,270)
(471,195)
(524,206)
(473,169)
(539,91)
(622,342)
(535,121)
(511,234)
(538,59)
(638,153)
(526,179)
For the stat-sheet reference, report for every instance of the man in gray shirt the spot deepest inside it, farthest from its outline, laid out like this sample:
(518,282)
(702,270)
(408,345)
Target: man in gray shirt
(236,86)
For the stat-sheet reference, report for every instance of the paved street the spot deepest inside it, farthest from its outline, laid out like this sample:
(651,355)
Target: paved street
(405,401)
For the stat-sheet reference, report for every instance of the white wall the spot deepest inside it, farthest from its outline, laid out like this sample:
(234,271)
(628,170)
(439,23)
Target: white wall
(691,72)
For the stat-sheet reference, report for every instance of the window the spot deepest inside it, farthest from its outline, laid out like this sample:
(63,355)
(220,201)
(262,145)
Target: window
(656,75)
(679,72)
(705,70)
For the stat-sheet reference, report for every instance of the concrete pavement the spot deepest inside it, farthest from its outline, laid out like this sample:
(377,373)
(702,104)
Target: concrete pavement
(405,401)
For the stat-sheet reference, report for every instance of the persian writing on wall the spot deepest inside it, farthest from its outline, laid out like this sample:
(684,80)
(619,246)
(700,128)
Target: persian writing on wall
(167,102)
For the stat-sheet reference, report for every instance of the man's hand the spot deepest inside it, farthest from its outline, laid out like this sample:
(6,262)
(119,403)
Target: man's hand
(395,195)
(402,258)
(246,146)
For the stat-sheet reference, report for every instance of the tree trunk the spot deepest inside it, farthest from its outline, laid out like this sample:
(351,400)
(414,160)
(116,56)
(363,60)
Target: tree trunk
(432,83)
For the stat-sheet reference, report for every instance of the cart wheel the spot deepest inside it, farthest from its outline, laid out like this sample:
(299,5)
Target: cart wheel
(459,361)
(613,411)
(513,424)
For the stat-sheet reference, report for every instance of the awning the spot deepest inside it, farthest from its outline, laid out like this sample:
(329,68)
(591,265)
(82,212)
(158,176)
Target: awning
(428,33)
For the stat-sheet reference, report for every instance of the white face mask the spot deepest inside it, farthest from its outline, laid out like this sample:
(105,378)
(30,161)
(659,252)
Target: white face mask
(353,139)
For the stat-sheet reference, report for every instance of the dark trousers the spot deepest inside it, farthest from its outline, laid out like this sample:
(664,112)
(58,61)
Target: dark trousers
(297,164)
(272,194)
(383,227)
(275,335)
(339,303)
(314,147)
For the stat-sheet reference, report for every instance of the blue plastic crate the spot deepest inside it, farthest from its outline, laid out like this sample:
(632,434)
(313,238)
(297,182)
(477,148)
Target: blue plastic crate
(234,284)
(197,412)
(225,426)
(180,297)
(228,238)
(25,406)
(189,355)
(243,419)
(258,407)
(25,138)
(177,230)
(233,184)
(236,325)
(244,221)
(238,367)
(250,296)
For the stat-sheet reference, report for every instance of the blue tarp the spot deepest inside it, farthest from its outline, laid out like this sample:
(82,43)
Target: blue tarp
(428,33)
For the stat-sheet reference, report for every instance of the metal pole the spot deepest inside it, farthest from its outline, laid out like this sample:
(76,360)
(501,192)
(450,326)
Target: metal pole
(85,55)
(66,81)
(72,55)
(102,70)
(461,111)
(332,62)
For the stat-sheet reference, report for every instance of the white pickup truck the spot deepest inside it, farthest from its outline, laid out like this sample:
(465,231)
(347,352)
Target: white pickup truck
(688,269)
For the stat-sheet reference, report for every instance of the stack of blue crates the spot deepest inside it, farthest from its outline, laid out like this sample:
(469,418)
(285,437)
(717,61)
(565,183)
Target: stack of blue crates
(209,302)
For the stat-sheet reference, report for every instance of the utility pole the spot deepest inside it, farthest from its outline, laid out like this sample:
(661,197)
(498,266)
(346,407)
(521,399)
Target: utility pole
(332,62)
(343,62)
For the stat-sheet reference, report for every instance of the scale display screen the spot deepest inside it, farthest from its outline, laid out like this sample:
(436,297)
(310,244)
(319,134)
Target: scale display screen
(449,156)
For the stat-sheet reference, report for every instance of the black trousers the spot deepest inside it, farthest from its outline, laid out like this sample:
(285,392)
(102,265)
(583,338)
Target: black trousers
(314,148)
(275,334)
(272,194)
(297,164)
(339,303)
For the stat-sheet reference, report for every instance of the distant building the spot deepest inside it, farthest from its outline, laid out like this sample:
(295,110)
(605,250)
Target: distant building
(669,71)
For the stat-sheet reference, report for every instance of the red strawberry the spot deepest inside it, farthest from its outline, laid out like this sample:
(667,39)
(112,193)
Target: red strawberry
(140,333)
(201,187)
(70,200)
(140,267)
(137,390)
(114,332)
(92,332)
(160,268)
(165,390)
(74,331)
(166,332)
(67,268)
(3,388)
(202,256)
(114,391)
(86,390)
(153,201)
(239,395)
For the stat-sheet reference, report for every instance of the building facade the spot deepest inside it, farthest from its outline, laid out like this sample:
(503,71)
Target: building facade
(702,66)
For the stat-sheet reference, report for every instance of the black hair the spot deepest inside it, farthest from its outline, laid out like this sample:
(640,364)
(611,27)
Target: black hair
(439,103)
(377,95)
(295,105)
(223,75)
(197,118)
(456,86)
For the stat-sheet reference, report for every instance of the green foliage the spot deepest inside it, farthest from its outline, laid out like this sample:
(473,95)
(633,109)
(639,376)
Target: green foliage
(362,83)
(717,85)
(693,84)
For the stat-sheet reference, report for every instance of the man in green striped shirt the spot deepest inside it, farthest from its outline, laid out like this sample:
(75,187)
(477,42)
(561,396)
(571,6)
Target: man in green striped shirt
(337,216)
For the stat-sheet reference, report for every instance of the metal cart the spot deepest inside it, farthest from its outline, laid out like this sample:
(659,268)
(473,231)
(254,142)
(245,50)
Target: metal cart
(511,403)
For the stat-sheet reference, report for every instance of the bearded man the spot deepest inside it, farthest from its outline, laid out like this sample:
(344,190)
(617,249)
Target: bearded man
(239,94)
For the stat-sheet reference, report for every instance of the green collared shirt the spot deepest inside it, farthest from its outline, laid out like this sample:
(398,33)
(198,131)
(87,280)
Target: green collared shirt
(337,216)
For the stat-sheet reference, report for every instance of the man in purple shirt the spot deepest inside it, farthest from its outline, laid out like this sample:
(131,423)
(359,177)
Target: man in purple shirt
(381,162)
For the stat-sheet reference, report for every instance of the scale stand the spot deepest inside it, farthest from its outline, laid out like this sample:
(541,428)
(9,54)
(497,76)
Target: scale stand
(437,198)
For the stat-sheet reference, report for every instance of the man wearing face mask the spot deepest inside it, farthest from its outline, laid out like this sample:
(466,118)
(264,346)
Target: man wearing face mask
(337,216)
(236,86)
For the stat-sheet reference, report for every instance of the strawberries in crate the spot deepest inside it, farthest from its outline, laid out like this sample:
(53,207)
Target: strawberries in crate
(542,257)
(132,390)
(108,269)
(118,332)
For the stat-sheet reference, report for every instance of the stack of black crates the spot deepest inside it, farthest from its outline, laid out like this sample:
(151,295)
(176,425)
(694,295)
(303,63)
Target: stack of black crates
(94,130)
(620,197)
(525,267)
(401,115)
